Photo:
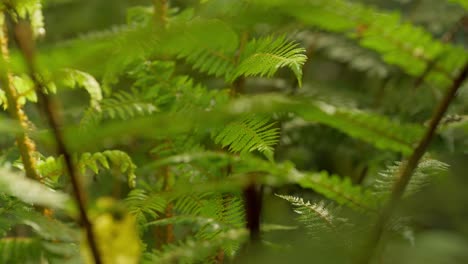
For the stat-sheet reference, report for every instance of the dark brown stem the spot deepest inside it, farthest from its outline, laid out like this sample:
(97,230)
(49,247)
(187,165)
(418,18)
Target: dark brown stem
(253,201)
(26,146)
(26,44)
(408,167)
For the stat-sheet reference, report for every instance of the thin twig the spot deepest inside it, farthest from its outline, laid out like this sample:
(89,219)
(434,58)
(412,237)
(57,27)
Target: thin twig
(26,44)
(406,171)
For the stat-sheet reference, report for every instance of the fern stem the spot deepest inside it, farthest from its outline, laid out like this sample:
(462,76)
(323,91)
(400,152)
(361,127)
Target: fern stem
(253,201)
(26,45)
(408,167)
(26,146)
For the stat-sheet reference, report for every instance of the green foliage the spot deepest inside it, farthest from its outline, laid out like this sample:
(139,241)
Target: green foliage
(20,250)
(30,191)
(142,205)
(315,216)
(252,133)
(340,190)
(119,161)
(204,97)
(263,57)
(426,170)
(194,251)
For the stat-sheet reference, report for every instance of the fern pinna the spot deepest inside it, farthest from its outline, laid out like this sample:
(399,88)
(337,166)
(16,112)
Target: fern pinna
(227,131)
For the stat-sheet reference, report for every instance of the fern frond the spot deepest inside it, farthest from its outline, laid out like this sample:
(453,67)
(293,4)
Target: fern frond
(375,129)
(194,251)
(316,217)
(197,204)
(263,57)
(74,78)
(342,50)
(399,43)
(422,176)
(53,168)
(340,190)
(122,105)
(208,44)
(31,9)
(252,133)
(20,250)
(145,206)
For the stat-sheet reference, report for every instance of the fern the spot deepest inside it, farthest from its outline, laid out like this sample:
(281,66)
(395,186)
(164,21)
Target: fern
(340,190)
(378,130)
(263,57)
(73,78)
(252,133)
(422,176)
(381,32)
(315,216)
(144,206)
(345,51)
(192,251)
(53,168)
(122,105)
(20,250)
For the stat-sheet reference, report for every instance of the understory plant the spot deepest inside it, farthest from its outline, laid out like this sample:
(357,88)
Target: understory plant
(224,131)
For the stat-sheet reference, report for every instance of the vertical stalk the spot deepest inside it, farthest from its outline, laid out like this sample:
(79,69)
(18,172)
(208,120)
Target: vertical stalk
(26,146)
(25,40)
(406,171)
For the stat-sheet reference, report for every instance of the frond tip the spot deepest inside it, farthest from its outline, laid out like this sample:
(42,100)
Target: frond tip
(263,57)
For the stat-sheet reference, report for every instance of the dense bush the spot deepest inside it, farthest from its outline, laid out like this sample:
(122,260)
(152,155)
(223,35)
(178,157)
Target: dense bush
(228,131)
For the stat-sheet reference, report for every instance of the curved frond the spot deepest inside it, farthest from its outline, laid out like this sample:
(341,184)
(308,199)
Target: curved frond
(422,176)
(144,206)
(375,129)
(263,57)
(74,78)
(316,217)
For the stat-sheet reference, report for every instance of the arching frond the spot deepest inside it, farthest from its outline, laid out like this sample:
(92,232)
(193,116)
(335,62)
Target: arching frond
(422,176)
(317,217)
(74,78)
(263,57)
(375,129)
